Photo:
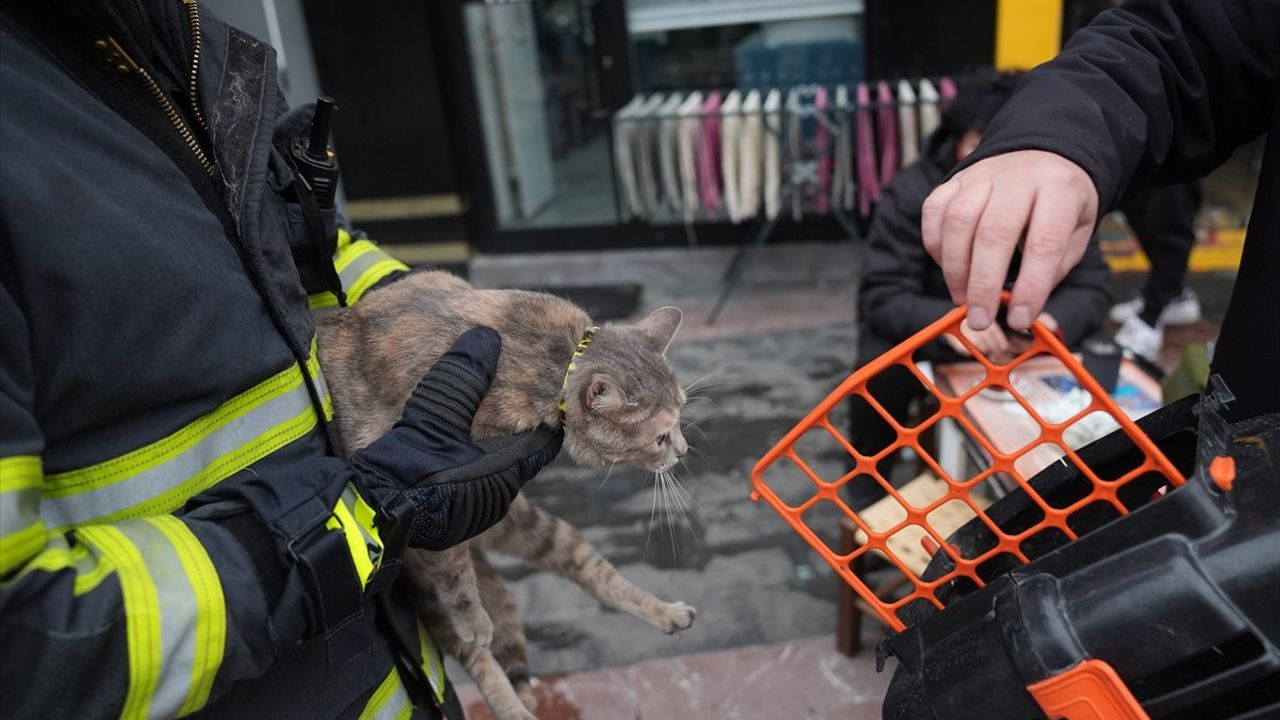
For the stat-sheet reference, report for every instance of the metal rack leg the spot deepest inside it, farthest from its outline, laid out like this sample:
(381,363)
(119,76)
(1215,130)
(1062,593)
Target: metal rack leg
(741,261)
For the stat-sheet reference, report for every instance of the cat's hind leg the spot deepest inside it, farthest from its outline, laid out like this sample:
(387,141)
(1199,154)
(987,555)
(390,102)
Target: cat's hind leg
(535,535)
(449,579)
(509,645)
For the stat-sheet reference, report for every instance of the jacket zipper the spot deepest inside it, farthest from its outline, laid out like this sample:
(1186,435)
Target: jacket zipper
(124,64)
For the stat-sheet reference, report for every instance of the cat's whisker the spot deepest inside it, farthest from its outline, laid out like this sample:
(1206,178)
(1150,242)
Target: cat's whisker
(607,473)
(699,453)
(653,509)
(691,425)
(707,380)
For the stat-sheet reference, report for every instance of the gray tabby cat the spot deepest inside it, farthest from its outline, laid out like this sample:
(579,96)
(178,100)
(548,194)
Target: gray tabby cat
(620,403)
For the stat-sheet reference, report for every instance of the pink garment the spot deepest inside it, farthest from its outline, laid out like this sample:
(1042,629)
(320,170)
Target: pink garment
(709,155)
(946,93)
(820,141)
(888,122)
(865,155)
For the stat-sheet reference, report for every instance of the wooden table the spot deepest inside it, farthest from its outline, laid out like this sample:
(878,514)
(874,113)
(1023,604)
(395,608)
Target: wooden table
(1042,381)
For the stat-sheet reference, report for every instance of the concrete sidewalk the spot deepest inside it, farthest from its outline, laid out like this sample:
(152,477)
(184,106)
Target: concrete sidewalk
(800,679)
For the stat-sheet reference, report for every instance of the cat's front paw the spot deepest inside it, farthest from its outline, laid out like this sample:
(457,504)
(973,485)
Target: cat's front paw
(474,628)
(674,617)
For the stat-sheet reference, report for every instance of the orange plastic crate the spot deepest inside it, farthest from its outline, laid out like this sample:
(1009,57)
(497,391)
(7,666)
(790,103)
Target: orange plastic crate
(819,490)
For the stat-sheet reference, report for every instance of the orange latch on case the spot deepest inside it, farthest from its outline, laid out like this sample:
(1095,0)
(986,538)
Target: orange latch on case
(915,520)
(1089,691)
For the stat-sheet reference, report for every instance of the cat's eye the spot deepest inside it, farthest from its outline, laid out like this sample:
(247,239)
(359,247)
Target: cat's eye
(664,438)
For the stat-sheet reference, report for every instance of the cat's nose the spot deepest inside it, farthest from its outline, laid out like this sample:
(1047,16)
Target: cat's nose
(680,445)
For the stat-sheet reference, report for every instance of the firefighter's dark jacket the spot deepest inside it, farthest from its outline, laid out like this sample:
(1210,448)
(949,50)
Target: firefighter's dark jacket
(1162,91)
(157,340)
(902,289)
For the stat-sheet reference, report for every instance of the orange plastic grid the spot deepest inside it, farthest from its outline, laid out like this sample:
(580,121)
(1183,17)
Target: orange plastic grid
(820,491)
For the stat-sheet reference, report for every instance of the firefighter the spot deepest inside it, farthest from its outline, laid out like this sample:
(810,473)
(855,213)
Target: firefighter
(177,535)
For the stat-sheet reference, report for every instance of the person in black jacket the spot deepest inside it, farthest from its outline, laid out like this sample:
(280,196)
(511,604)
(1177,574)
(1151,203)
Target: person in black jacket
(902,290)
(1155,91)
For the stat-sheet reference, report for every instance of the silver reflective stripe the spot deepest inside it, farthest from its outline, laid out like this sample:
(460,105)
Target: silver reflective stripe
(19,509)
(223,452)
(176,601)
(369,256)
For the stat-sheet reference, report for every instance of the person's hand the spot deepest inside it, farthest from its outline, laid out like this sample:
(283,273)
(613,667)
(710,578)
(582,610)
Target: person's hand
(459,486)
(972,224)
(990,341)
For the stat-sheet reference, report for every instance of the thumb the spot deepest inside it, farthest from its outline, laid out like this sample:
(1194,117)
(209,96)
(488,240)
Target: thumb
(451,392)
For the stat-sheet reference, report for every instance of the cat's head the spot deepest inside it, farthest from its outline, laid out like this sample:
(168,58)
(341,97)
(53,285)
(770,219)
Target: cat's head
(623,399)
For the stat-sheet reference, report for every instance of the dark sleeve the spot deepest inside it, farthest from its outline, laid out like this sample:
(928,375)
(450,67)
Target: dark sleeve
(892,298)
(147,617)
(1156,91)
(1081,300)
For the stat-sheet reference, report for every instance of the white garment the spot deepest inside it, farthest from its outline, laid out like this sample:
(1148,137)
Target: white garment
(645,152)
(908,134)
(624,131)
(668,151)
(773,154)
(750,151)
(930,115)
(730,130)
(690,128)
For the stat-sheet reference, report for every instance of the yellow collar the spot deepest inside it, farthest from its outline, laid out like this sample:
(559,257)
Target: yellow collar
(578,352)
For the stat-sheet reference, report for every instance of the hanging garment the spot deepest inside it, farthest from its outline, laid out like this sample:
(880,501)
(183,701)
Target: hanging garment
(773,154)
(865,155)
(843,187)
(669,152)
(908,132)
(624,172)
(709,155)
(750,151)
(822,150)
(930,115)
(795,143)
(730,130)
(690,130)
(648,175)
(887,130)
(947,92)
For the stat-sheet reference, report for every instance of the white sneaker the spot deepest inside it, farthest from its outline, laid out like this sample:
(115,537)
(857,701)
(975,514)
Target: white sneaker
(1182,310)
(1140,338)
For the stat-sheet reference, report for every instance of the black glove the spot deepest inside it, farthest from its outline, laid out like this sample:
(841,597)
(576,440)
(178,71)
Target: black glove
(459,486)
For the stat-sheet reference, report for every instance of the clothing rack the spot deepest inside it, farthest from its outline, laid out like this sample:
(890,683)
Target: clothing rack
(737,155)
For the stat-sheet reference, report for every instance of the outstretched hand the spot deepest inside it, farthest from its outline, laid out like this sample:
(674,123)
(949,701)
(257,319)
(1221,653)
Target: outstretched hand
(972,224)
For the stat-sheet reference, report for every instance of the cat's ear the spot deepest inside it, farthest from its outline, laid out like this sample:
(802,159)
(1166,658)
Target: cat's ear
(660,327)
(604,393)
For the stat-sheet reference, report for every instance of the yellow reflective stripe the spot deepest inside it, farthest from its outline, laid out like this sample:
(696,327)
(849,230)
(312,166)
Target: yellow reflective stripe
(20,472)
(342,519)
(353,252)
(18,547)
(320,300)
(167,448)
(22,531)
(366,518)
(432,663)
(91,569)
(142,616)
(378,701)
(370,277)
(317,375)
(211,609)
